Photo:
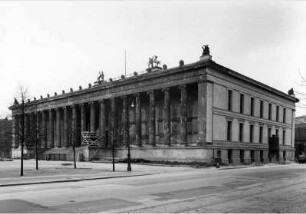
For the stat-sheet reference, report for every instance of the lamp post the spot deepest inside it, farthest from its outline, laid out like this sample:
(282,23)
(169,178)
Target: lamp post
(113,148)
(129,167)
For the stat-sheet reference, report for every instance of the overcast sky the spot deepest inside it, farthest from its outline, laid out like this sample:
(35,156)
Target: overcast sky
(51,46)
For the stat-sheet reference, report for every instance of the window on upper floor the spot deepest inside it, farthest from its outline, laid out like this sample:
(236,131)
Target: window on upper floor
(269,133)
(284,115)
(229,130)
(276,132)
(260,134)
(229,99)
(277,113)
(261,109)
(284,137)
(241,132)
(270,111)
(251,133)
(252,106)
(241,103)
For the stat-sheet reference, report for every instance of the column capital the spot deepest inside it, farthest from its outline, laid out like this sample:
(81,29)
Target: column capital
(182,86)
(150,92)
(165,89)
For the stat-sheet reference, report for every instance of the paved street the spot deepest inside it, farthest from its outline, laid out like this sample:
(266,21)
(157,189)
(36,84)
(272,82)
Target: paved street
(269,188)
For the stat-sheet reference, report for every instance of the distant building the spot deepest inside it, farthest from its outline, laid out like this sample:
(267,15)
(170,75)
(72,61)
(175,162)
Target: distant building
(300,135)
(193,112)
(5,138)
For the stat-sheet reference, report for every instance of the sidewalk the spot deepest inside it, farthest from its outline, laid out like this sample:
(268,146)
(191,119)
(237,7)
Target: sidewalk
(61,171)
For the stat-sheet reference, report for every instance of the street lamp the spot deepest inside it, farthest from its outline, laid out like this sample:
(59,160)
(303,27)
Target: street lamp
(129,168)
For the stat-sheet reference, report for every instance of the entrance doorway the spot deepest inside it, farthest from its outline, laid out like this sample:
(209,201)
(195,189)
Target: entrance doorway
(230,156)
(252,156)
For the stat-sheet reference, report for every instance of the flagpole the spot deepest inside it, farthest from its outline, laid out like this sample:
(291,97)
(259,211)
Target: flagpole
(124,62)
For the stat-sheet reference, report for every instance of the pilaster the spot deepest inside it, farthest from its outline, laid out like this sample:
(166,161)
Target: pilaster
(205,111)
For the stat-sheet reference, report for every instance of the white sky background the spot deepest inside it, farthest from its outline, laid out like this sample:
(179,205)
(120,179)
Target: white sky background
(50,46)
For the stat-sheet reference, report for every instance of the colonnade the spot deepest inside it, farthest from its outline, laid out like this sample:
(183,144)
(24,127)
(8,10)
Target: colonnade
(62,126)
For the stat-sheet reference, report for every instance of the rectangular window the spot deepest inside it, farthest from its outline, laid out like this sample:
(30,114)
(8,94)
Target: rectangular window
(261,109)
(251,133)
(284,137)
(270,111)
(241,103)
(277,113)
(229,130)
(260,134)
(284,115)
(252,106)
(276,132)
(229,97)
(269,132)
(241,132)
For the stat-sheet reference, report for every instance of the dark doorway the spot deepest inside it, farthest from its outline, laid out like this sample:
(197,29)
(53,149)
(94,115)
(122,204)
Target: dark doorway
(261,156)
(230,156)
(242,156)
(252,156)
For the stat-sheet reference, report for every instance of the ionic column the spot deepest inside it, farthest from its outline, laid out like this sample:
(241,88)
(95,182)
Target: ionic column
(205,111)
(83,117)
(102,123)
(138,121)
(166,116)
(20,130)
(113,119)
(74,126)
(44,130)
(36,128)
(183,136)
(125,119)
(51,130)
(66,133)
(152,119)
(58,128)
(26,129)
(14,131)
(92,117)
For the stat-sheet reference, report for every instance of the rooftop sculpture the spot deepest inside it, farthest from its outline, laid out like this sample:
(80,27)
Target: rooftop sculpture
(153,62)
(206,50)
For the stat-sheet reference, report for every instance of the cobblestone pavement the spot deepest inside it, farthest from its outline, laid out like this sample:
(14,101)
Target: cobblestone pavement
(270,188)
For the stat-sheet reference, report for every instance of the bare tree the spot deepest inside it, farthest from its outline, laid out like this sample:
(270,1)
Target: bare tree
(21,95)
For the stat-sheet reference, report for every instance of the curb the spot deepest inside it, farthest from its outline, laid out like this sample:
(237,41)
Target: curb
(71,180)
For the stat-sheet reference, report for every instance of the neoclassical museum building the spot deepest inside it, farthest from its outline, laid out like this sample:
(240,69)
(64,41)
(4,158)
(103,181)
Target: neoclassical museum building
(190,113)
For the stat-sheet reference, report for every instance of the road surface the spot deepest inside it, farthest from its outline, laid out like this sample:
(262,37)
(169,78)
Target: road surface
(277,188)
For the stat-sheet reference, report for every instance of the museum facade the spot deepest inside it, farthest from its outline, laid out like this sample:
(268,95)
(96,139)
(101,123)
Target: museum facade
(193,112)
